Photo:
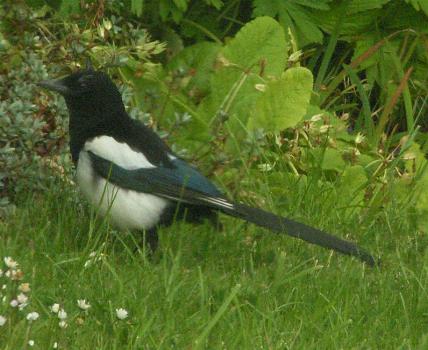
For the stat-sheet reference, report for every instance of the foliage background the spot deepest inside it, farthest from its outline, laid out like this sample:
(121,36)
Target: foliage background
(315,108)
(233,89)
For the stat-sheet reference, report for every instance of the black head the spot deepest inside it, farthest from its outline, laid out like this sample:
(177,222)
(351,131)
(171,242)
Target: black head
(88,93)
(94,103)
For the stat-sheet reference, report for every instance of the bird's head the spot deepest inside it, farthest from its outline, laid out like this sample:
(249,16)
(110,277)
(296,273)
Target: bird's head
(87,91)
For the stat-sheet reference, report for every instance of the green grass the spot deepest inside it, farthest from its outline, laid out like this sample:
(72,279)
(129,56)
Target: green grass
(241,288)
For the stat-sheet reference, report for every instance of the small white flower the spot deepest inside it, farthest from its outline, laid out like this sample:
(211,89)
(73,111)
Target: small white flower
(107,24)
(24,287)
(55,345)
(16,275)
(22,298)
(10,263)
(265,167)
(121,313)
(31,342)
(55,308)
(7,273)
(359,138)
(324,128)
(316,117)
(4,286)
(32,316)
(2,320)
(62,324)
(260,87)
(14,303)
(62,315)
(81,303)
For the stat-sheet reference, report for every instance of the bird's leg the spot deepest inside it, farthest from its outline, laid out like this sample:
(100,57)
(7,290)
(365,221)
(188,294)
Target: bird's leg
(151,240)
(214,220)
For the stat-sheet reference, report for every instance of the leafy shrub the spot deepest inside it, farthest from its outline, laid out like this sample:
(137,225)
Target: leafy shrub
(29,131)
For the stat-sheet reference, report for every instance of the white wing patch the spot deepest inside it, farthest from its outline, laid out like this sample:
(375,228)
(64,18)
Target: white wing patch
(128,209)
(117,152)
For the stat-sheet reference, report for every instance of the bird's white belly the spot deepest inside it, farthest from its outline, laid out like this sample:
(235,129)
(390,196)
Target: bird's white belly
(127,209)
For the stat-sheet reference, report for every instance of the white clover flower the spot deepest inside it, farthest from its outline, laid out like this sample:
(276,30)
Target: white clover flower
(4,286)
(62,315)
(265,167)
(10,263)
(82,304)
(16,275)
(14,303)
(62,324)
(22,298)
(55,345)
(32,316)
(24,287)
(31,342)
(55,308)
(2,320)
(121,314)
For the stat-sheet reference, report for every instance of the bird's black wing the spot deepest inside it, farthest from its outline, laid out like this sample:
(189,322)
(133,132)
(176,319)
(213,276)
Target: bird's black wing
(187,187)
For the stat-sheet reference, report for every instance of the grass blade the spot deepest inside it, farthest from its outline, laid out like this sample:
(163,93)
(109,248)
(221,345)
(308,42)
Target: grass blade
(201,339)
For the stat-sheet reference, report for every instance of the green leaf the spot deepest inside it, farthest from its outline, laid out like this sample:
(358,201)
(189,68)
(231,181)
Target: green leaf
(307,31)
(285,101)
(361,15)
(296,15)
(419,5)
(408,18)
(417,165)
(218,4)
(350,193)
(172,8)
(137,7)
(181,4)
(332,159)
(35,3)
(364,5)
(314,4)
(260,39)
(69,7)
(200,59)
(258,51)
(422,199)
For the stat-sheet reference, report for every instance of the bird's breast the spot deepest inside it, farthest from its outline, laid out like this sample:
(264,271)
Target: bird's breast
(127,209)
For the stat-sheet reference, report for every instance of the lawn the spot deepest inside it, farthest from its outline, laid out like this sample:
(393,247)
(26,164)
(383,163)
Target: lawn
(238,288)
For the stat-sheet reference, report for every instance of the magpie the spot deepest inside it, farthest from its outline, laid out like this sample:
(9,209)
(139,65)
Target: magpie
(124,168)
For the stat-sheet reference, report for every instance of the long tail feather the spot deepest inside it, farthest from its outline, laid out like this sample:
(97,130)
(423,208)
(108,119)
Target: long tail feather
(296,229)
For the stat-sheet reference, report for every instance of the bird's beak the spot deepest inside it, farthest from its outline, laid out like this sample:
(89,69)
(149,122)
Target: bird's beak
(55,85)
